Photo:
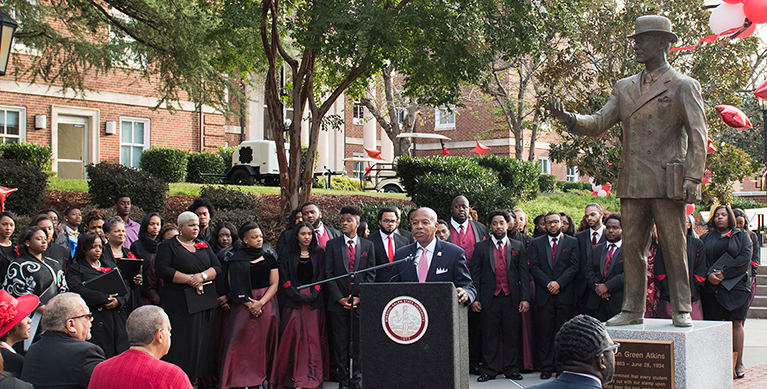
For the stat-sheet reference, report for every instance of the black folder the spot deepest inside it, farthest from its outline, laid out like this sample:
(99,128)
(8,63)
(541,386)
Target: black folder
(130,267)
(110,282)
(201,302)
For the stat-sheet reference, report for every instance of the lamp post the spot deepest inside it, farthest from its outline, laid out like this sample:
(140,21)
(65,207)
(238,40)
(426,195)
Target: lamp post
(7,29)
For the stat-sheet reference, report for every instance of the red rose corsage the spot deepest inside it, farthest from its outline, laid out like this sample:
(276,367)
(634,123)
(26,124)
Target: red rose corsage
(729,234)
(17,250)
(200,245)
(105,269)
(131,256)
(7,313)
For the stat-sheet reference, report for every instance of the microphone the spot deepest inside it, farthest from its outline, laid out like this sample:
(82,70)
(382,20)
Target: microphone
(417,256)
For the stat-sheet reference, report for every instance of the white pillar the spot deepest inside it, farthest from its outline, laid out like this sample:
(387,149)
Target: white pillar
(387,147)
(255,126)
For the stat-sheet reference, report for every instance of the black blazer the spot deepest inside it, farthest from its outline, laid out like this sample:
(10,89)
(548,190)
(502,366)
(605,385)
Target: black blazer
(696,269)
(739,248)
(337,263)
(483,271)
(60,361)
(384,274)
(584,246)
(332,232)
(563,272)
(288,265)
(405,234)
(614,280)
(480,231)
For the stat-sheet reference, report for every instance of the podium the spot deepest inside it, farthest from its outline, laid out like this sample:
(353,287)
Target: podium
(413,335)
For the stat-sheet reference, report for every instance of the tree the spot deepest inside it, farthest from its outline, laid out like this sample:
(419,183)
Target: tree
(727,165)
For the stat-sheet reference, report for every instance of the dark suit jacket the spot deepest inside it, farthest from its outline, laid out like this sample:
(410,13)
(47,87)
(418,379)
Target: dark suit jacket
(60,361)
(480,231)
(569,381)
(447,256)
(288,265)
(696,269)
(383,275)
(563,271)
(739,248)
(483,271)
(614,281)
(332,232)
(584,245)
(337,263)
(405,234)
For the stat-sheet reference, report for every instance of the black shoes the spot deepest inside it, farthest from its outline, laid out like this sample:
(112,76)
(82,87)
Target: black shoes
(485,377)
(514,376)
(545,375)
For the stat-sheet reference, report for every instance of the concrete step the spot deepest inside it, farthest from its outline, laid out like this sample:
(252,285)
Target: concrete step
(757,312)
(759,301)
(761,290)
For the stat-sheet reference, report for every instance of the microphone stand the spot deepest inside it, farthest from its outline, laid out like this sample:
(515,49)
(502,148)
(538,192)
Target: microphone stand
(353,281)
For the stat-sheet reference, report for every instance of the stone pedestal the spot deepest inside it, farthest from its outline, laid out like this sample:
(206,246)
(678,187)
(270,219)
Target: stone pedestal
(702,353)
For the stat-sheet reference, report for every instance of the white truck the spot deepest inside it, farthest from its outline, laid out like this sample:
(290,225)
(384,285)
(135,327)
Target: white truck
(254,161)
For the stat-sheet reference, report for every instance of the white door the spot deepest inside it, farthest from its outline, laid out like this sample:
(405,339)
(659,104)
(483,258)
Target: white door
(72,146)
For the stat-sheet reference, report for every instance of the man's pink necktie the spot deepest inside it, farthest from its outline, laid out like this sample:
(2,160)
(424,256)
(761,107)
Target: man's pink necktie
(423,267)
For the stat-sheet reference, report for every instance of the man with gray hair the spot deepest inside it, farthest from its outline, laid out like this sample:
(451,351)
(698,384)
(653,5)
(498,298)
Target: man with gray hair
(62,358)
(140,367)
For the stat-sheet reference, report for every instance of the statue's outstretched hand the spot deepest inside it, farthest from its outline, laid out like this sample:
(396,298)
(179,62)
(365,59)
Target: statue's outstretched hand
(557,109)
(691,191)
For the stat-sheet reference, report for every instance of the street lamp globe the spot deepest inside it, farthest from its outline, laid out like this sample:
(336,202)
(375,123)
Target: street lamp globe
(7,29)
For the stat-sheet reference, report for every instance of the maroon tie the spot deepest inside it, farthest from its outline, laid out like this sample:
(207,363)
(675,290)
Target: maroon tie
(594,240)
(554,250)
(609,257)
(460,232)
(391,250)
(350,252)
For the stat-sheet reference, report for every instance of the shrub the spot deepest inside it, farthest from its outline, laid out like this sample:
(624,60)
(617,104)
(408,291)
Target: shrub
(226,155)
(746,203)
(205,162)
(228,199)
(547,183)
(521,177)
(568,186)
(106,180)
(370,213)
(31,183)
(165,163)
(27,154)
(237,217)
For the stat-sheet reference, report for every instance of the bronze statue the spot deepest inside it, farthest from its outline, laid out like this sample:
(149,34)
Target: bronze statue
(661,167)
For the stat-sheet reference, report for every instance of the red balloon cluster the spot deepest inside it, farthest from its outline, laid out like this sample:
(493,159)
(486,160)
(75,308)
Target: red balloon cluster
(735,14)
(733,117)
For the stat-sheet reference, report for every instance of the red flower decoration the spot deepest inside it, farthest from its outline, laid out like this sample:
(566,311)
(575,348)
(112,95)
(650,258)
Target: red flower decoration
(200,245)
(17,250)
(131,256)
(729,234)
(105,269)
(7,313)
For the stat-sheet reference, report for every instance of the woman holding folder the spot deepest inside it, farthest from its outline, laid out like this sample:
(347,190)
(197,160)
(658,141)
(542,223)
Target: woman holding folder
(114,230)
(727,289)
(106,304)
(188,266)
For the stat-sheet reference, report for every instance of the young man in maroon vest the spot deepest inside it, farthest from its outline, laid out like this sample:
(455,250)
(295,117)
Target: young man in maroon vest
(310,212)
(465,234)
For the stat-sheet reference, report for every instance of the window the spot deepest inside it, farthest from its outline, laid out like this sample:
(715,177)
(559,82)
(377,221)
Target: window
(134,138)
(358,112)
(357,167)
(572,174)
(444,118)
(543,162)
(13,124)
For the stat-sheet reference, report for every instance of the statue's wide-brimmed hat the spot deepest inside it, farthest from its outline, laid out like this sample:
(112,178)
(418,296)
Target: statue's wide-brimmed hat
(653,23)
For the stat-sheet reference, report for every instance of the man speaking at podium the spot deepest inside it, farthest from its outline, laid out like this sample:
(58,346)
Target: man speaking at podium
(433,259)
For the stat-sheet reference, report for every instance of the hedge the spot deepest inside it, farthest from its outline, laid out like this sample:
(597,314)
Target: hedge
(27,154)
(226,155)
(106,180)
(547,183)
(165,163)
(228,199)
(205,162)
(370,213)
(568,186)
(30,181)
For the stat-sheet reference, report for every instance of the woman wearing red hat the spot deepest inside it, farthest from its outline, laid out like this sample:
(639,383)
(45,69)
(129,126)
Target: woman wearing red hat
(14,327)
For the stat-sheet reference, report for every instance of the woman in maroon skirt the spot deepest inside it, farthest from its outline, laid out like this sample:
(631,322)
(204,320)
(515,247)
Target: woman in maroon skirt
(251,339)
(303,343)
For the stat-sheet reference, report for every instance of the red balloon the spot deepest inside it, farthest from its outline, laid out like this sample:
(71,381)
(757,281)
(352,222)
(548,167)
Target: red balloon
(480,149)
(4,192)
(755,10)
(761,91)
(733,1)
(748,31)
(733,117)
(690,209)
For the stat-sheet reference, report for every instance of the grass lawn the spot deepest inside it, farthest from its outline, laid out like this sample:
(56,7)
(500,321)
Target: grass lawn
(571,203)
(186,188)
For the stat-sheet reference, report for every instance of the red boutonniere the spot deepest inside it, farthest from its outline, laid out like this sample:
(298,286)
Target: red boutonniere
(131,256)
(17,250)
(200,245)
(105,269)
(729,234)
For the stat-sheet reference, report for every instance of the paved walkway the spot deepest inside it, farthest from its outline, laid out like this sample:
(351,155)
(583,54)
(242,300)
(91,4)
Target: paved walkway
(754,357)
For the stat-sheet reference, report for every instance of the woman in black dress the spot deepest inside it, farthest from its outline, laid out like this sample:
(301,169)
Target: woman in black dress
(54,251)
(186,262)
(251,338)
(114,230)
(14,327)
(741,221)
(7,248)
(727,289)
(224,238)
(303,341)
(145,248)
(109,310)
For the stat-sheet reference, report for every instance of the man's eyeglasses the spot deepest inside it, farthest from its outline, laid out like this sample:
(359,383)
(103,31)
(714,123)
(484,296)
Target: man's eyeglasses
(388,221)
(88,315)
(613,348)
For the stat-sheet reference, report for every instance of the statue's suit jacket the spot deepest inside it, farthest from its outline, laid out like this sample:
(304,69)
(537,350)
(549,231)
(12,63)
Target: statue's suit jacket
(664,125)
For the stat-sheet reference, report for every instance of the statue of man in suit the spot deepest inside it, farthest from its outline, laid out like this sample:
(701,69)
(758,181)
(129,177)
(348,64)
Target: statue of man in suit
(661,167)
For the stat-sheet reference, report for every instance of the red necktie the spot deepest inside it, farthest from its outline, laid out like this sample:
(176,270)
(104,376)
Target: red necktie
(391,249)
(351,253)
(318,232)
(594,240)
(554,250)
(460,232)
(609,257)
